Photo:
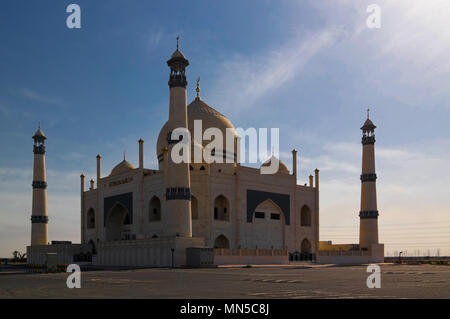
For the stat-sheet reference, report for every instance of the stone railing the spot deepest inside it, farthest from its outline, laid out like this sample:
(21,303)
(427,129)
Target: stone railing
(249,252)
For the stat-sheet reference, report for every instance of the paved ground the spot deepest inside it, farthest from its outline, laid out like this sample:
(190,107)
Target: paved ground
(299,281)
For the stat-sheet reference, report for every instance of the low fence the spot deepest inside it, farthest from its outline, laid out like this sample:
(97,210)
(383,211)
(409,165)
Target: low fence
(344,253)
(419,260)
(226,256)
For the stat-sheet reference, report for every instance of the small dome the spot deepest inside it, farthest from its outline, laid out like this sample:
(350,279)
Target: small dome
(39,134)
(282,167)
(368,126)
(177,54)
(121,168)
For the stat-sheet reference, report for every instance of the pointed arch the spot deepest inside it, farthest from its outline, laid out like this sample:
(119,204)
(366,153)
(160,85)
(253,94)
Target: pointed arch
(154,210)
(221,208)
(268,227)
(306,246)
(194,207)
(305,216)
(93,247)
(221,242)
(90,218)
(117,218)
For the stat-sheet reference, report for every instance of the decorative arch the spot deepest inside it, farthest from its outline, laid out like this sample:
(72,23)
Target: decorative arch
(306,247)
(117,222)
(221,242)
(125,199)
(305,216)
(90,218)
(194,208)
(154,210)
(254,198)
(268,227)
(221,208)
(93,247)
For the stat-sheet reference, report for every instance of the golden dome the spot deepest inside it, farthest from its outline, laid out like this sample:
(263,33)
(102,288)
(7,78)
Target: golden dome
(282,167)
(121,168)
(199,110)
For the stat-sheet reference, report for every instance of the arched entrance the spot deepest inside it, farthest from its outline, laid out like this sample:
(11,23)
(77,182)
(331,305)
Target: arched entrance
(154,210)
(306,250)
(267,226)
(93,249)
(118,223)
(90,219)
(221,242)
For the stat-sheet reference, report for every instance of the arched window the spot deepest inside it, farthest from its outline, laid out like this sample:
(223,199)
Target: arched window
(90,218)
(194,207)
(221,208)
(154,209)
(221,242)
(93,248)
(305,216)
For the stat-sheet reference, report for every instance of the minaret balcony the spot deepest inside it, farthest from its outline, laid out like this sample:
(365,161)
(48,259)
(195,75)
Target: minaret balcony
(39,219)
(39,149)
(368,139)
(39,185)
(178,80)
(368,214)
(368,178)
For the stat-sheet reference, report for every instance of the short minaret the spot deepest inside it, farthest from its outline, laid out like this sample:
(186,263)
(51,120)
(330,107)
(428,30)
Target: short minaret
(98,169)
(141,153)
(177,179)
(39,217)
(368,230)
(294,164)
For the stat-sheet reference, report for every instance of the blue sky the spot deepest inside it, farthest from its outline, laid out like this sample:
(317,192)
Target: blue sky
(310,68)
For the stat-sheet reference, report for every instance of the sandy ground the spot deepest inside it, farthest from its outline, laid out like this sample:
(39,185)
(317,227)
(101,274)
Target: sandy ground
(294,281)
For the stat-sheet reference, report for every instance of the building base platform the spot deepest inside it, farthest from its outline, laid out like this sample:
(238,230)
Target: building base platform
(154,252)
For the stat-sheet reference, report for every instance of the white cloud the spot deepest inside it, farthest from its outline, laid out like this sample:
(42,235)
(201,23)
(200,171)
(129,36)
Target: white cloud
(407,58)
(245,80)
(34,96)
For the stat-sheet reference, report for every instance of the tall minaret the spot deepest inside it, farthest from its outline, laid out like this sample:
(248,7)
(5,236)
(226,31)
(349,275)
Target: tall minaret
(368,230)
(39,219)
(177,180)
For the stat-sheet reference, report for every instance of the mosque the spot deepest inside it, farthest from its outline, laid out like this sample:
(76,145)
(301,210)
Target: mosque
(190,212)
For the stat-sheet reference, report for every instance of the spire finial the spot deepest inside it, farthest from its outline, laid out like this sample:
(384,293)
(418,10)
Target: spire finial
(123,155)
(39,125)
(178,42)
(198,87)
(368,113)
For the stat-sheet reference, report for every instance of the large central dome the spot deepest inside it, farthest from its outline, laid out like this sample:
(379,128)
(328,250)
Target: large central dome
(199,110)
